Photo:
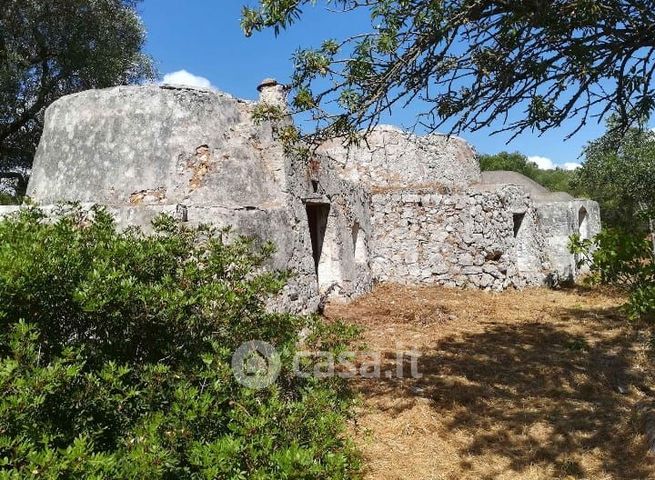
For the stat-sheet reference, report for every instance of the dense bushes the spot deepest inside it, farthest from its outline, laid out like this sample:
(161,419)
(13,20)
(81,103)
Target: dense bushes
(6,199)
(623,259)
(617,172)
(115,358)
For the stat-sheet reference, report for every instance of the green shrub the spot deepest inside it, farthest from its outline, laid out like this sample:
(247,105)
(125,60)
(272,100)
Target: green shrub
(6,199)
(625,260)
(115,352)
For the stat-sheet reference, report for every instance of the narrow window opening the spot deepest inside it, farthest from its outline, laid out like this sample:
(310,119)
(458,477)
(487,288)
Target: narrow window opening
(518,222)
(315,186)
(583,223)
(355,231)
(359,245)
(317,217)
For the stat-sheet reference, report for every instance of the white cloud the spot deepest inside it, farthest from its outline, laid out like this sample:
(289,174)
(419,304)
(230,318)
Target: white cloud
(570,166)
(182,77)
(544,163)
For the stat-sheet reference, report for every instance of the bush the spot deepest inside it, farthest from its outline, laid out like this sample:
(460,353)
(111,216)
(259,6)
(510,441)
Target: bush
(115,353)
(625,260)
(6,199)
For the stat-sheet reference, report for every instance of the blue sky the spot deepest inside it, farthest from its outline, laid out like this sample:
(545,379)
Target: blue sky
(203,37)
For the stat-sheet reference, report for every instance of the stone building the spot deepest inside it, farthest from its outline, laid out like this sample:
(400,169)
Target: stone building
(402,208)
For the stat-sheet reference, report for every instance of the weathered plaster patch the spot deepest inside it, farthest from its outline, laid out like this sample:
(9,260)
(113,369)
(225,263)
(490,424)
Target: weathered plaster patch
(148,197)
(199,165)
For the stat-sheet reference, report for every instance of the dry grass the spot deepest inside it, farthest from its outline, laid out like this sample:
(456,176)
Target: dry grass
(536,384)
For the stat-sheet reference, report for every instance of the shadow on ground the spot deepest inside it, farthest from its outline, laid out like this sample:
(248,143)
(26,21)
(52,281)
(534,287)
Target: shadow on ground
(536,393)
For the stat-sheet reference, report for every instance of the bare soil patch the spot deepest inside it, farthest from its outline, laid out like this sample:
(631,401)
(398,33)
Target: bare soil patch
(536,384)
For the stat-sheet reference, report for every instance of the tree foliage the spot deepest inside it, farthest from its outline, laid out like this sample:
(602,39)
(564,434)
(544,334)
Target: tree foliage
(556,180)
(51,48)
(625,260)
(7,199)
(618,171)
(115,355)
(474,61)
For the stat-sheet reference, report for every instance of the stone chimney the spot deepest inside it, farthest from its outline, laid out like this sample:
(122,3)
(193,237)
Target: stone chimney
(272,93)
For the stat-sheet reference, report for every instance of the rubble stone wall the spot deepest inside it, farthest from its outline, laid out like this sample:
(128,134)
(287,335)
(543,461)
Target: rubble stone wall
(463,238)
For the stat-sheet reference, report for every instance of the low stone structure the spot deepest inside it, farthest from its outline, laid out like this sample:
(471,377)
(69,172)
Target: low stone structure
(559,216)
(402,208)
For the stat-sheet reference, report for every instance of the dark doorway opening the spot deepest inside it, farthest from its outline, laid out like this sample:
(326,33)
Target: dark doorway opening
(317,217)
(518,221)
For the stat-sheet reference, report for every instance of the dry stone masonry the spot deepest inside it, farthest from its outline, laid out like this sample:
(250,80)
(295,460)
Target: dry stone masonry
(401,208)
(457,239)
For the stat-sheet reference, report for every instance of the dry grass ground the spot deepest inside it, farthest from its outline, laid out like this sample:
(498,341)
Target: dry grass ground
(536,384)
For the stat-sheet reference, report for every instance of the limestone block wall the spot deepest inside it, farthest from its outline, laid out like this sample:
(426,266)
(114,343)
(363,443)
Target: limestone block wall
(559,216)
(293,251)
(464,238)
